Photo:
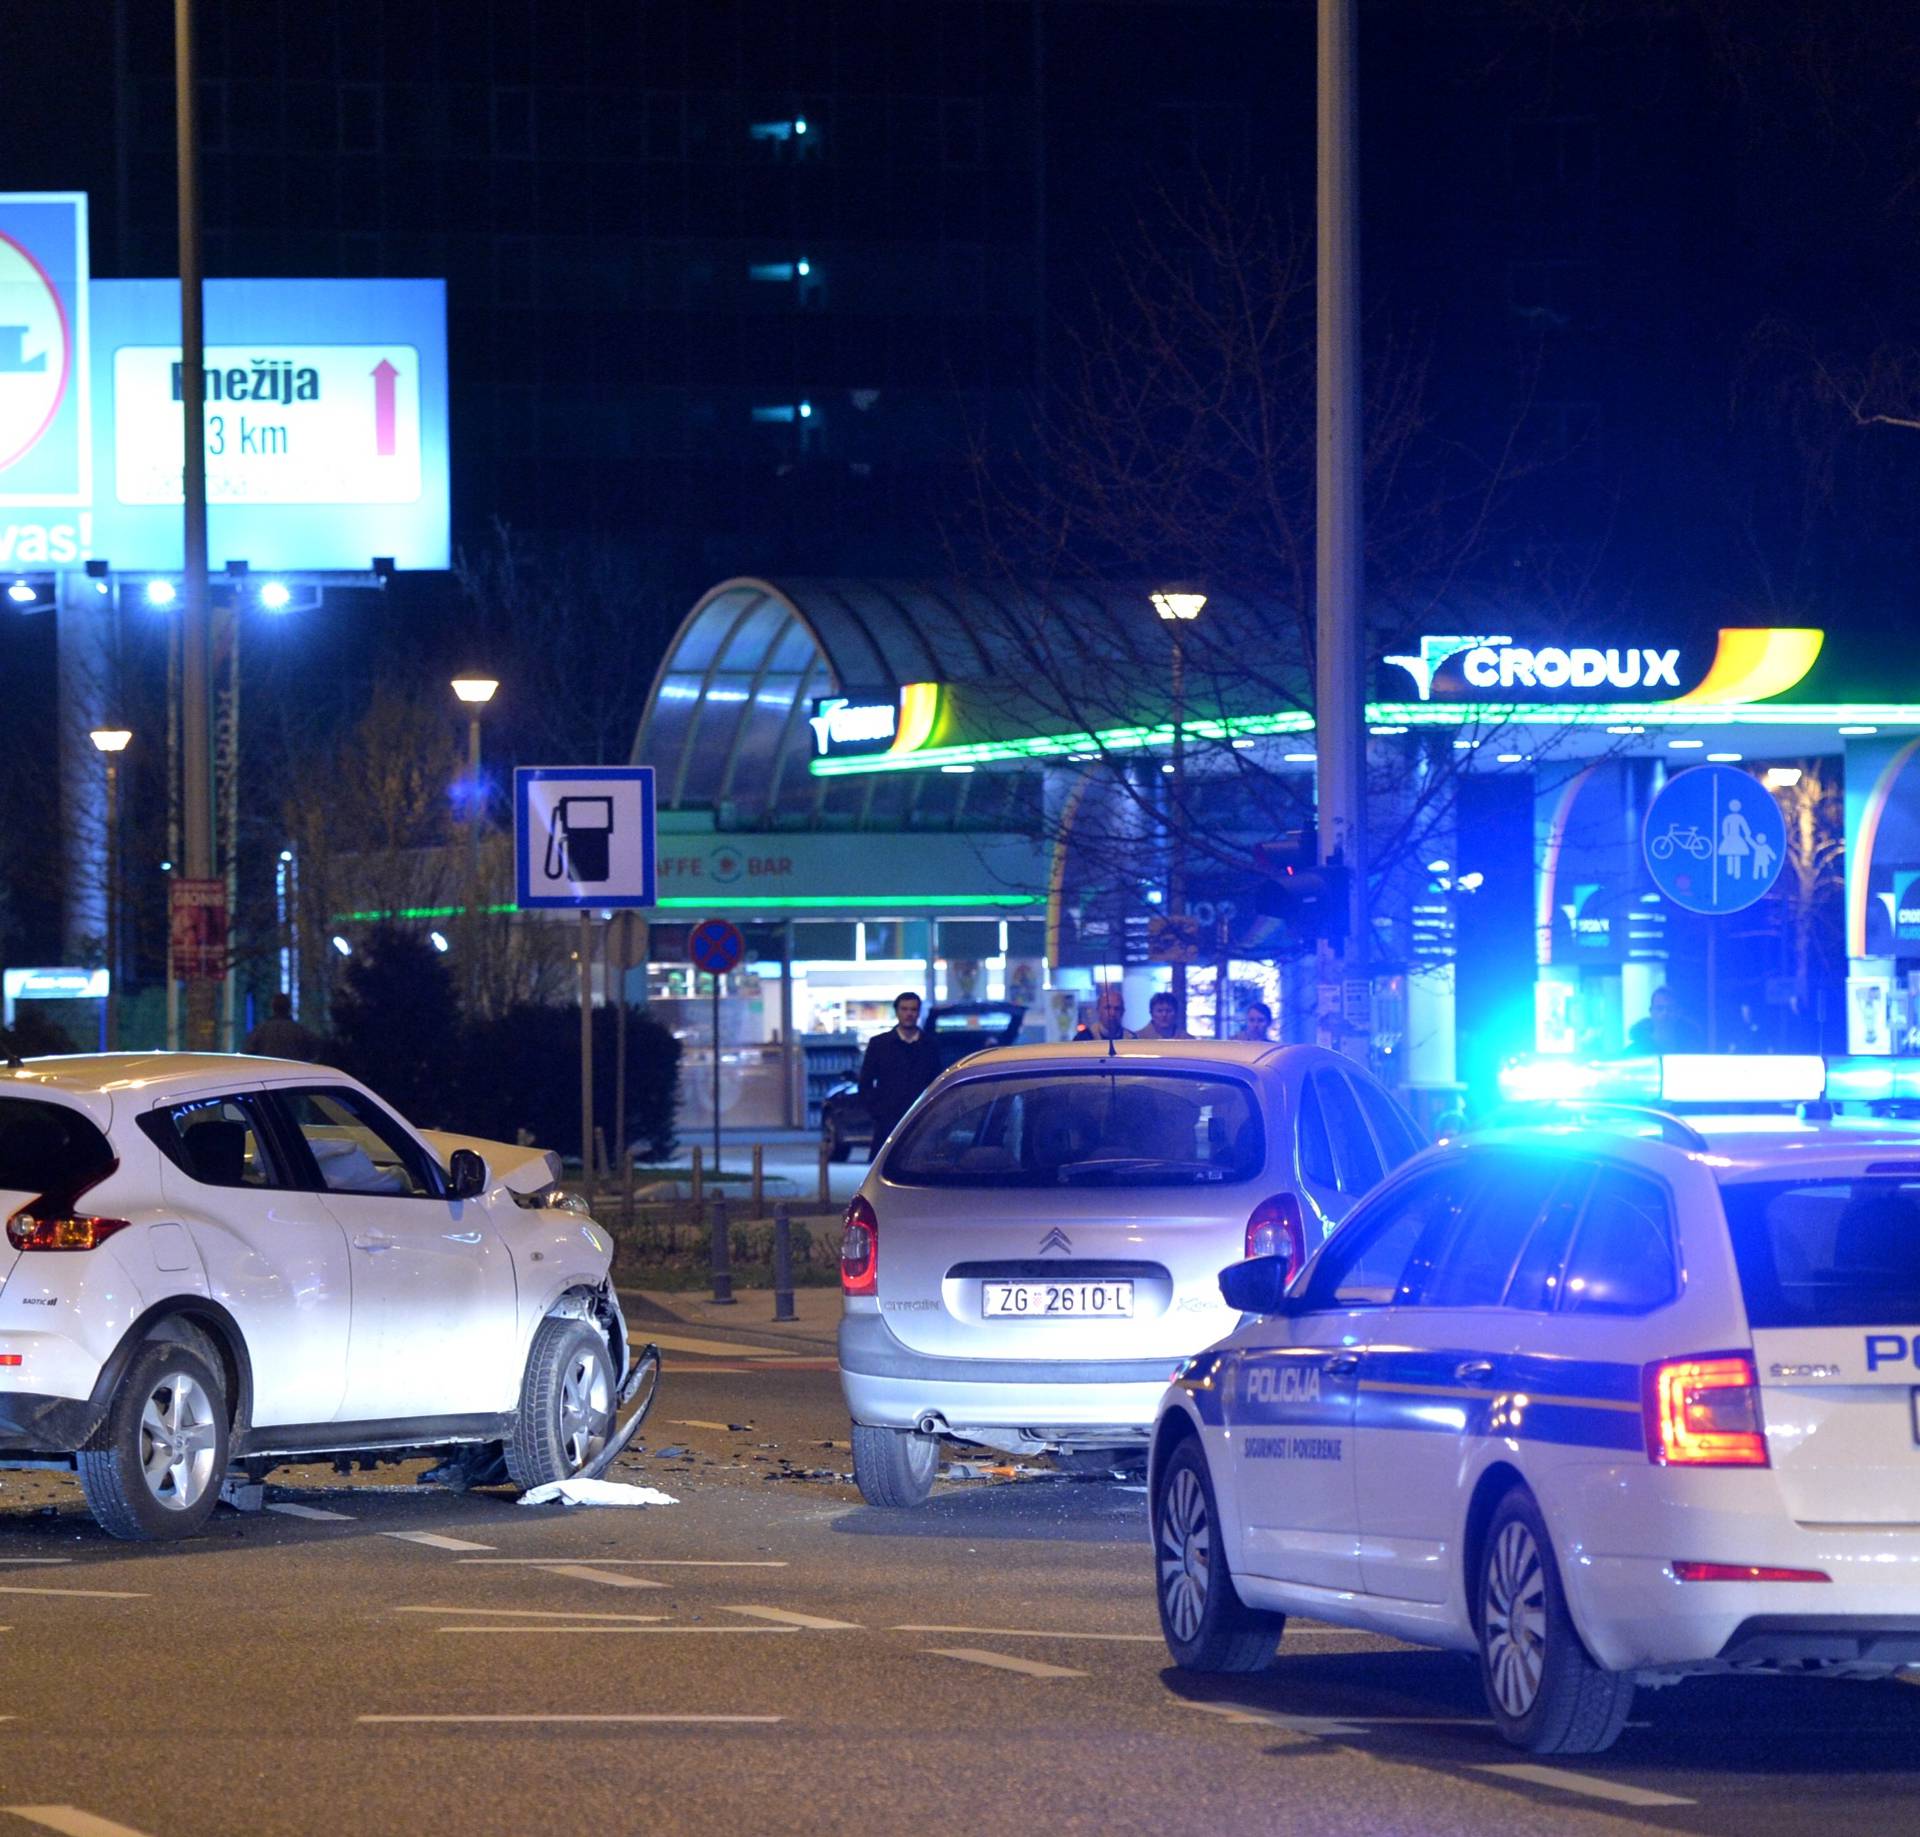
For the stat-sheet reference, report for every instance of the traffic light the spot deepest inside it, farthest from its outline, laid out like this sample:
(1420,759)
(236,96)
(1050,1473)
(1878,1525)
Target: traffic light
(1306,894)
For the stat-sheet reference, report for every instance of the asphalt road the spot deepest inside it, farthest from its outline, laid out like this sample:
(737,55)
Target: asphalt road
(771,1655)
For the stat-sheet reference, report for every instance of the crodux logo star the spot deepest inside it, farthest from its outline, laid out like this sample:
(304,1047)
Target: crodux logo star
(1056,1239)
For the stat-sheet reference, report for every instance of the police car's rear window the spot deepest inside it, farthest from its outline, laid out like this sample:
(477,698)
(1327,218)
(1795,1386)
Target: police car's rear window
(48,1147)
(1827,1253)
(1083,1129)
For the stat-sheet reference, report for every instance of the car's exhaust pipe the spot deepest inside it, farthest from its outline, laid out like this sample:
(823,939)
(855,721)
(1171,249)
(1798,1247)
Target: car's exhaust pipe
(932,1423)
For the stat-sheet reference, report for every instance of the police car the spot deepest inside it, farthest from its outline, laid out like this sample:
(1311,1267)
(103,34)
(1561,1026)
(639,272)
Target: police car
(1609,1403)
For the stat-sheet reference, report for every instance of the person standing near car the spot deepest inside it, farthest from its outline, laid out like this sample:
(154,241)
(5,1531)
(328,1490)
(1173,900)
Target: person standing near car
(1109,1016)
(280,1036)
(1258,1024)
(899,1065)
(1163,1020)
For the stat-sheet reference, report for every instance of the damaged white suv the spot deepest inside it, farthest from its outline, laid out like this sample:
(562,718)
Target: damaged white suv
(215,1265)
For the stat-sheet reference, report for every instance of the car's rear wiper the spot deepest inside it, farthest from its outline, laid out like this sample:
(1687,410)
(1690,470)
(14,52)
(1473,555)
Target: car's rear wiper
(1137,1167)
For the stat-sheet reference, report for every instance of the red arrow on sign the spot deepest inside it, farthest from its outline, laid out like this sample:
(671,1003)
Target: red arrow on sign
(383,375)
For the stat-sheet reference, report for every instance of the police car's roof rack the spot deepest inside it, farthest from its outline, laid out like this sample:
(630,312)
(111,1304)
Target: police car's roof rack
(1643,1118)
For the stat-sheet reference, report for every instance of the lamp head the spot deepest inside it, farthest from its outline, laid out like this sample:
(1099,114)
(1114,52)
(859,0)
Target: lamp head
(475,689)
(111,739)
(1178,603)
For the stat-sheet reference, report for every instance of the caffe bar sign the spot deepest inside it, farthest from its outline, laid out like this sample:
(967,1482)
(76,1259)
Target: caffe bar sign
(1746,664)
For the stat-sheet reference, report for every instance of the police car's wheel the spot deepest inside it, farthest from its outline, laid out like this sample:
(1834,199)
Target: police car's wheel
(1206,1625)
(894,1467)
(156,1465)
(1547,1695)
(566,1404)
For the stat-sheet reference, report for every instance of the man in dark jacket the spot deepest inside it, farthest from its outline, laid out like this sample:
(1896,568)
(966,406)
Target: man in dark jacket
(898,1066)
(280,1036)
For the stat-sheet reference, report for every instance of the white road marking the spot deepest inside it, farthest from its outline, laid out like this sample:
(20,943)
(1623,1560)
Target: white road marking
(586,1572)
(617,1629)
(89,1594)
(1149,1639)
(35,1561)
(1587,1785)
(434,1541)
(70,1820)
(629,1562)
(537,1718)
(1027,1667)
(309,1511)
(694,1422)
(715,1348)
(1273,1719)
(787,1618)
(526,1613)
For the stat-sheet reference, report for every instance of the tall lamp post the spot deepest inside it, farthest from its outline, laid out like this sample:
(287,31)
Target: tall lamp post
(112,742)
(475,689)
(1178,608)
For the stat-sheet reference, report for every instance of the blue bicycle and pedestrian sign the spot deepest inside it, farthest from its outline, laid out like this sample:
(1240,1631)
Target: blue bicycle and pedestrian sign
(715,946)
(1714,839)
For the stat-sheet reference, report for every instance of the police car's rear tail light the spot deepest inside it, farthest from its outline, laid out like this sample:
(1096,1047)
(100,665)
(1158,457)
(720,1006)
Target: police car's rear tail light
(1744,1572)
(1705,1412)
(860,1250)
(53,1221)
(1277,1229)
(13,1358)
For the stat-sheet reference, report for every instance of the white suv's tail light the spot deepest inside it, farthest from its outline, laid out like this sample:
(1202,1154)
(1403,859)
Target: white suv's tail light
(53,1221)
(1277,1229)
(1705,1412)
(860,1250)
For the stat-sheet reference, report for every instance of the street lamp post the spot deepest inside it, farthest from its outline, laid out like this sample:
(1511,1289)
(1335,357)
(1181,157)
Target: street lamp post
(112,742)
(1178,609)
(475,689)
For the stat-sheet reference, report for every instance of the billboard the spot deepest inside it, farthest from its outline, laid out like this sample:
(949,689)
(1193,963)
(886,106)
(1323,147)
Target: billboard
(326,413)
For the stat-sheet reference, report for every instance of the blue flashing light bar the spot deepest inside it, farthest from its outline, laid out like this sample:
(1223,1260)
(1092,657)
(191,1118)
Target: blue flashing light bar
(1701,1078)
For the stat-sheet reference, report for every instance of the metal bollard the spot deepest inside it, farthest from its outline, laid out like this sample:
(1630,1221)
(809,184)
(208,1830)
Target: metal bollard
(826,1191)
(782,1264)
(699,1193)
(722,1253)
(759,1178)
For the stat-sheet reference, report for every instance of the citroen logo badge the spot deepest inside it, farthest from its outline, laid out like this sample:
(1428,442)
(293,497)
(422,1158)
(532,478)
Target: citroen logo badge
(1056,1239)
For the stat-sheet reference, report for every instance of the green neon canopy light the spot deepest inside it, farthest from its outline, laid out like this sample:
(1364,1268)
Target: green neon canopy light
(758,902)
(1389,714)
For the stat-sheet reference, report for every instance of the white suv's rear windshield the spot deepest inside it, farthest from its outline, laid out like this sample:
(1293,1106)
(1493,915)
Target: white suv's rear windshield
(1087,1128)
(1827,1253)
(48,1147)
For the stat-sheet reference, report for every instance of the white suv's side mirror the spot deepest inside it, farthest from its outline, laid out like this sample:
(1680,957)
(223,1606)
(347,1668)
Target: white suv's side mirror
(468,1176)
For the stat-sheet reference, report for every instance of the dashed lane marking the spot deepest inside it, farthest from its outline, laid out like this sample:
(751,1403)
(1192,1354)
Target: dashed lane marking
(716,1348)
(1587,1785)
(1148,1639)
(527,1613)
(1327,1726)
(70,1820)
(617,1629)
(631,1562)
(651,1717)
(310,1511)
(434,1541)
(88,1594)
(786,1617)
(999,1661)
(607,1578)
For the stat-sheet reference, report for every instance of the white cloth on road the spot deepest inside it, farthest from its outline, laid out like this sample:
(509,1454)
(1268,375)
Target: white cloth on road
(596,1492)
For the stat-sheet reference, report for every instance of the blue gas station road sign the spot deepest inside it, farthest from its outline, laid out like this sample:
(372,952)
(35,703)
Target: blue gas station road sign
(1714,839)
(716,946)
(583,836)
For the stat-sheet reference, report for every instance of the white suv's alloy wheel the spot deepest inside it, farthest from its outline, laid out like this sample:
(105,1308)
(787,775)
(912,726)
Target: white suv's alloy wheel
(1516,1611)
(177,1436)
(1186,1553)
(586,1408)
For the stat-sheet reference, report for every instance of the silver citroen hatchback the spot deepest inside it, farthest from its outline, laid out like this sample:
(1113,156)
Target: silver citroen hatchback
(1040,1240)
